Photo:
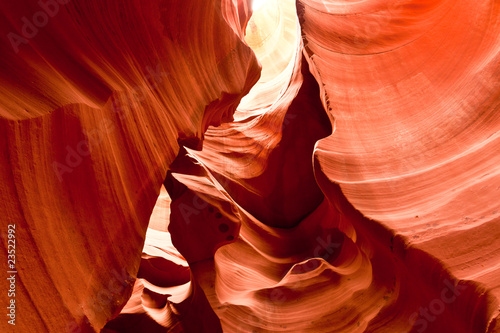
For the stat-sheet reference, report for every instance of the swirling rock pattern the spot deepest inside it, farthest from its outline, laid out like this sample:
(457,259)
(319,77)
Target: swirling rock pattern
(94,100)
(354,192)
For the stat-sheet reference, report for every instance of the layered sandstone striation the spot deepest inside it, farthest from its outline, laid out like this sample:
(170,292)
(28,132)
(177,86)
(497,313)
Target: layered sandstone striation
(95,97)
(328,166)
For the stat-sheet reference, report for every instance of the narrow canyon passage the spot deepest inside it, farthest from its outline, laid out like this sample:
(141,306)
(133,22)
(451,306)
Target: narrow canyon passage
(229,166)
(267,236)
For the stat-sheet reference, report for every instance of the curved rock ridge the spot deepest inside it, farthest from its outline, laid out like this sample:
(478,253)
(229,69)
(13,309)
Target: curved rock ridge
(327,166)
(415,93)
(164,298)
(351,273)
(414,88)
(95,97)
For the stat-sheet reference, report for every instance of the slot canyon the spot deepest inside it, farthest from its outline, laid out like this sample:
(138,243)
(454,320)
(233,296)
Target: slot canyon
(229,166)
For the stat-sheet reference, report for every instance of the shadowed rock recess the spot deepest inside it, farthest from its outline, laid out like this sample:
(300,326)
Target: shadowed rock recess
(199,166)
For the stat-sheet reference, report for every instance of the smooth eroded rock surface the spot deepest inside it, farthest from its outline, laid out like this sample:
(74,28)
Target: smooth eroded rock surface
(327,166)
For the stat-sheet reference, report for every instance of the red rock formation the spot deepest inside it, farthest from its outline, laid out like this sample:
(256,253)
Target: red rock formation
(93,102)
(354,192)
(415,93)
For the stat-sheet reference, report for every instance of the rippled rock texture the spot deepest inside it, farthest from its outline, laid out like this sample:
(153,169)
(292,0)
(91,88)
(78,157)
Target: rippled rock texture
(327,166)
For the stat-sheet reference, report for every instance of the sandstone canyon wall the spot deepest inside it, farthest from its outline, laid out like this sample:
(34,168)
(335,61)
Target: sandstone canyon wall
(327,166)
